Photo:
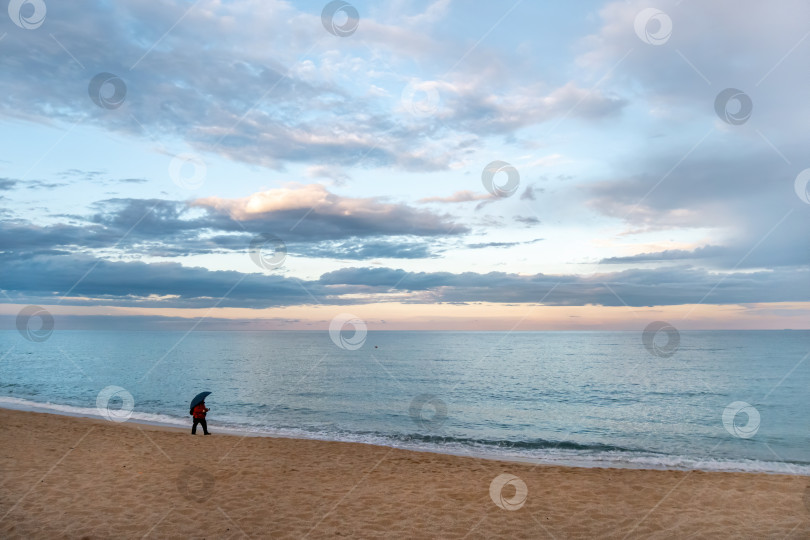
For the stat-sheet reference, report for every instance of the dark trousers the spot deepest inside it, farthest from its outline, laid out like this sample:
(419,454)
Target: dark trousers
(202,422)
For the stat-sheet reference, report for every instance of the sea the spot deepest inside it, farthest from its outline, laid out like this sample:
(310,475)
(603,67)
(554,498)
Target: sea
(710,400)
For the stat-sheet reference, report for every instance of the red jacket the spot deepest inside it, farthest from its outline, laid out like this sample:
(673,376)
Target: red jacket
(199,411)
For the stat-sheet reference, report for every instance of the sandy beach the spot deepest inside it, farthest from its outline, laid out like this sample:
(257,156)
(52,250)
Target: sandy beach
(65,477)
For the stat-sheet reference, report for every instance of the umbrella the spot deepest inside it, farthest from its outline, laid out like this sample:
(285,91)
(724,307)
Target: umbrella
(199,398)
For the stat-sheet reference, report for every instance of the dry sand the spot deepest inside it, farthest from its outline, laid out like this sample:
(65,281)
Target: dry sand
(63,477)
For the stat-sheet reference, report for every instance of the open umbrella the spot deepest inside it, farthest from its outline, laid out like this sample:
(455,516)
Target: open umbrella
(199,398)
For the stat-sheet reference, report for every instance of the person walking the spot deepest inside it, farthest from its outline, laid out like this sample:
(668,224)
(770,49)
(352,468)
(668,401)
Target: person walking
(198,412)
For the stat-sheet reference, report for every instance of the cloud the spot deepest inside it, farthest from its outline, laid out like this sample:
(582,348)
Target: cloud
(43,185)
(312,211)
(20,236)
(270,87)
(334,173)
(470,108)
(732,183)
(47,277)
(459,197)
(528,221)
(96,176)
(745,199)
(248,94)
(310,219)
(435,12)
(364,249)
(713,46)
(44,278)
(667,255)
(661,286)
(82,174)
(502,244)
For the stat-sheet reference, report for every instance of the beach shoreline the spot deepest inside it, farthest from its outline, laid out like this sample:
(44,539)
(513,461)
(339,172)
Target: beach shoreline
(177,423)
(70,477)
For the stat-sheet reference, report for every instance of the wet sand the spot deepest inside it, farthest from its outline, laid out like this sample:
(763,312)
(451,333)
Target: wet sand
(64,477)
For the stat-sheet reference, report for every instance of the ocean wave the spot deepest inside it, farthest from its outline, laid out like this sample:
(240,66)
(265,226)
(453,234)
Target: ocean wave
(86,412)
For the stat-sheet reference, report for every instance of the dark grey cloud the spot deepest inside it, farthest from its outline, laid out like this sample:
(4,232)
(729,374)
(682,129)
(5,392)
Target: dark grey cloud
(661,286)
(668,255)
(48,277)
(7,184)
(527,220)
(90,281)
(20,236)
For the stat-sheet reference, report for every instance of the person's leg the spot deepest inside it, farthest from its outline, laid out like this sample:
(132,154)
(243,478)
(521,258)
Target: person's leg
(194,426)
(204,424)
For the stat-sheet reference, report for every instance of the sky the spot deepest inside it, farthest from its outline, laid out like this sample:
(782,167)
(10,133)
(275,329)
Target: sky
(258,164)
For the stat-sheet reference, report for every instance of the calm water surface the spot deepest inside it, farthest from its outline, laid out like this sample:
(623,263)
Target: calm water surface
(584,398)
